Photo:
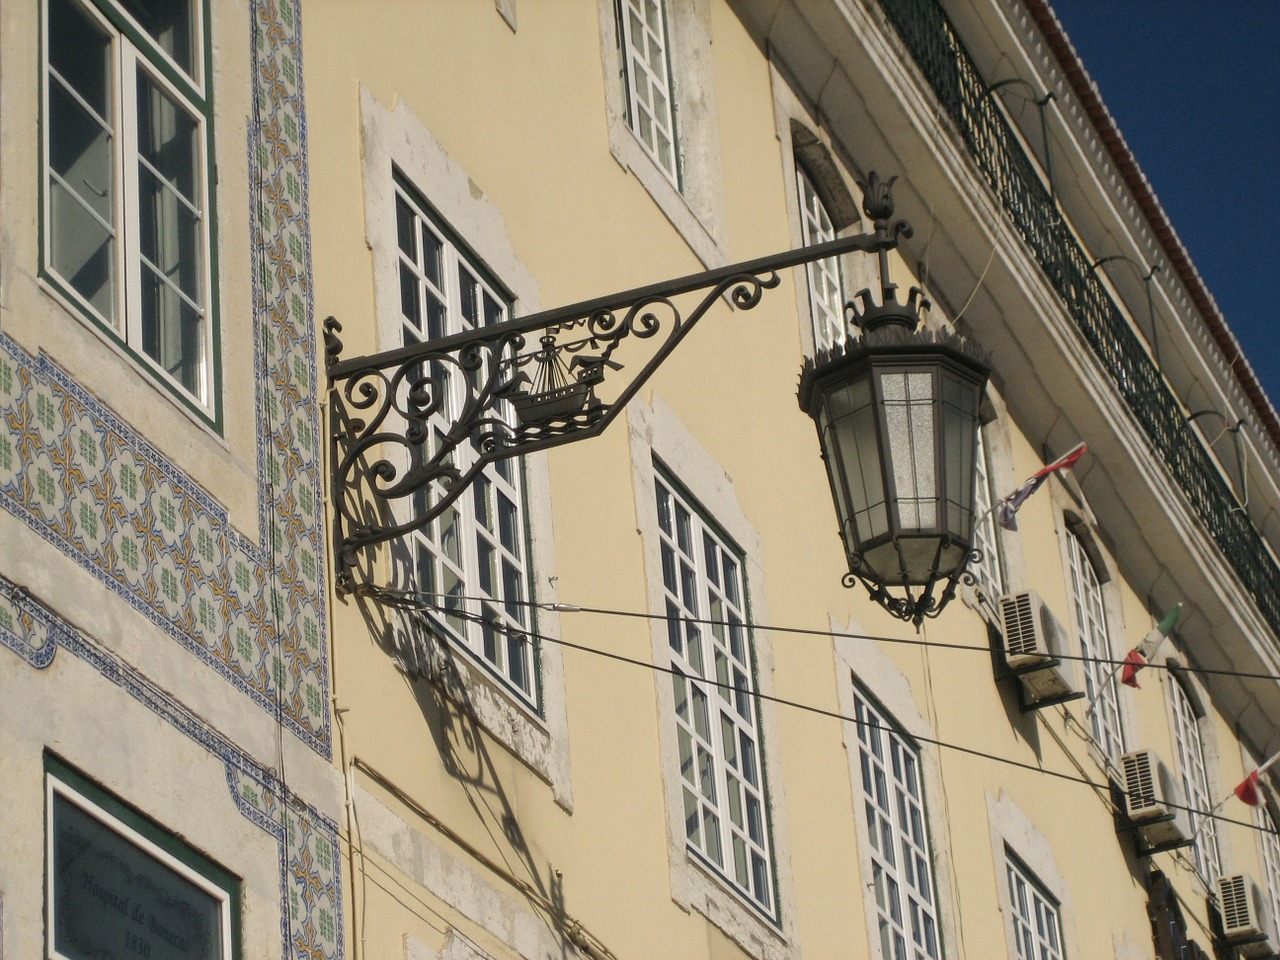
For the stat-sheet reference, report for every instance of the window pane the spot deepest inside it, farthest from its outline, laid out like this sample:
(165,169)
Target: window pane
(1035,916)
(1195,783)
(826,297)
(646,61)
(171,236)
(901,852)
(82,246)
(80,54)
(171,23)
(701,581)
(82,250)
(168,139)
(1101,684)
(478,543)
(172,331)
(125,190)
(989,571)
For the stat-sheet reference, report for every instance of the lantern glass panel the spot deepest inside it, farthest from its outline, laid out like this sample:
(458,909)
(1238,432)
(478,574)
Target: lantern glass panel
(959,433)
(908,397)
(849,427)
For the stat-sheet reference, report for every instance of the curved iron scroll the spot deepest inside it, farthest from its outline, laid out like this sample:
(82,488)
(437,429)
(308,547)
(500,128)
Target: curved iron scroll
(411,428)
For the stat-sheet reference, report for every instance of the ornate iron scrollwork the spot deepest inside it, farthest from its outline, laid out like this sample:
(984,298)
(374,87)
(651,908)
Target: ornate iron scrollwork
(913,607)
(412,427)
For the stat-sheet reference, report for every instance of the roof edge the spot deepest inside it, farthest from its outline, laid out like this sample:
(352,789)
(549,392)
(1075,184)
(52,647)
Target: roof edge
(1113,140)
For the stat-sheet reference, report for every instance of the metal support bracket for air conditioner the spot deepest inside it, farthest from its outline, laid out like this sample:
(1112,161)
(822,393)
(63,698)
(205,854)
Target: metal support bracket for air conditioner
(1002,671)
(1135,828)
(1026,707)
(411,428)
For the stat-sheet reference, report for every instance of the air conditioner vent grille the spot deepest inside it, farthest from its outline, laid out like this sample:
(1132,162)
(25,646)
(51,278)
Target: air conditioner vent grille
(1236,908)
(1020,624)
(1139,781)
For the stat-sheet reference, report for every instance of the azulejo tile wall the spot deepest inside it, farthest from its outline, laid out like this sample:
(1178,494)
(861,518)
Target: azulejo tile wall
(310,877)
(252,609)
(289,459)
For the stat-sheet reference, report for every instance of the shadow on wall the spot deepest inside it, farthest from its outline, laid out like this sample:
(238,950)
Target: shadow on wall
(439,684)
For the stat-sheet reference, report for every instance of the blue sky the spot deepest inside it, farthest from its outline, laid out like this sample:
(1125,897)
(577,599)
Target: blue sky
(1194,85)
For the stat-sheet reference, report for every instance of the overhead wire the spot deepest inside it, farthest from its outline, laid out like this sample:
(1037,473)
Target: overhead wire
(424,607)
(392,595)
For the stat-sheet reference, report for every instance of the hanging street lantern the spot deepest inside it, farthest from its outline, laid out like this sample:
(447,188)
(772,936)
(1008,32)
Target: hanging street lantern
(896,409)
(897,417)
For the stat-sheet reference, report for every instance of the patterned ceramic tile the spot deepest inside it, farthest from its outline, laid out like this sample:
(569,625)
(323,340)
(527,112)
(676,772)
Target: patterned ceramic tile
(253,609)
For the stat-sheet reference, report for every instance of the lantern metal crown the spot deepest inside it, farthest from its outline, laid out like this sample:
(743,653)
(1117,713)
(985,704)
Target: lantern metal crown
(896,410)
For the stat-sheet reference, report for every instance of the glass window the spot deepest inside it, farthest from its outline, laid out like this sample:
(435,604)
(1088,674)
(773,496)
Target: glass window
(717,713)
(901,851)
(126,197)
(646,58)
(1101,684)
(1195,783)
(115,890)
(826,288)
(989,571)
(1037,928)
(473,559)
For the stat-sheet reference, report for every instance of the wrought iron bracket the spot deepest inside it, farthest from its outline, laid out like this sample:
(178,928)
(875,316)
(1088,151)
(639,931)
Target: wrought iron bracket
(411,428)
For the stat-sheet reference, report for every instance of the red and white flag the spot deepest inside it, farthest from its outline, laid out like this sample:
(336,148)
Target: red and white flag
(1008,506)
(1248,789)
(1133,662)
(1141,655)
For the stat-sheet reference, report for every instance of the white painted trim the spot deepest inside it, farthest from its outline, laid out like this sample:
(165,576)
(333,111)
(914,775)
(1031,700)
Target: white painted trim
(128,60)
(55,787)
(1180,681)
(1113,613)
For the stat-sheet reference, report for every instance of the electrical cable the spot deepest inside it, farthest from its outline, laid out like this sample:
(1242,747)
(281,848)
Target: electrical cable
(809,708)
(394,596)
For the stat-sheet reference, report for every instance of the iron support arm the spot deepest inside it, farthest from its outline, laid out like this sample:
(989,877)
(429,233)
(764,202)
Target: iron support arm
(419,423)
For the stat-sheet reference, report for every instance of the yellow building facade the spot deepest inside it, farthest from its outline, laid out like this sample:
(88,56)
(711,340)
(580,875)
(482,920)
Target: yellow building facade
(615,700)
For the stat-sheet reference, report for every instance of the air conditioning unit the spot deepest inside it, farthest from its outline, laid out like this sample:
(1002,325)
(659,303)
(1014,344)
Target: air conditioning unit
(1154,801)
(1033,638)
(1246,916)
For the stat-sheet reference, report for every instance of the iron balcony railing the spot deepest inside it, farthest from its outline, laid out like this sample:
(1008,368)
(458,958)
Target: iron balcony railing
(946,64)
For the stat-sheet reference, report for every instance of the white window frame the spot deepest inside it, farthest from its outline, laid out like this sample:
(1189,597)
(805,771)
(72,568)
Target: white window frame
(643,32)
(396,140)
(656,433)
(1036,917)
(725,810)
(1015,840)
(895,817)
(1102,683)
(1269,849)
(56,788)
(825,277)
(450,549)
(1188,738)
(693,201)
(989,571)
(133,54)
